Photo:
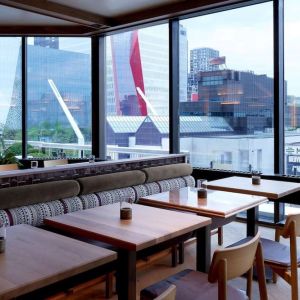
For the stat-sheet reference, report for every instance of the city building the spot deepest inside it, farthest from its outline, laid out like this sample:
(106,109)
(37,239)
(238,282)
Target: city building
(244,99)
(200,60)
(50,78)
(138,74)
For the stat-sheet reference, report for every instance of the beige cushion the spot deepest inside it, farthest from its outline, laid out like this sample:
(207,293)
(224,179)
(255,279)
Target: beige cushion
(36,193)
(167,172)
(111,181)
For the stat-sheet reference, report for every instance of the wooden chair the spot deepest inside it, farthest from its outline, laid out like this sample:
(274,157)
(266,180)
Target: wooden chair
(168,294)
(226,264)
(284,260)
(55,162)
(9,167)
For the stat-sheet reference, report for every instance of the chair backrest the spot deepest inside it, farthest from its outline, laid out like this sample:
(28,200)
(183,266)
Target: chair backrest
(286,230)
(168,294)
(238,260)
(235,261)
(55,162)
(9,167)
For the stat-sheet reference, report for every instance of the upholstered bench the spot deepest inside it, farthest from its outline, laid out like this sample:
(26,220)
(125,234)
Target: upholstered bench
(30,204)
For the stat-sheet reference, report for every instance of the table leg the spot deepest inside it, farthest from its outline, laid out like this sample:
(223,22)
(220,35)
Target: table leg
(126,275)
(278,211)
(203,249)
(252,218)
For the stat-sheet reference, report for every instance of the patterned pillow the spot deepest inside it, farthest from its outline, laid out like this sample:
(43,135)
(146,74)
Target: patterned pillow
(34,214)
(113,196)
(146,189)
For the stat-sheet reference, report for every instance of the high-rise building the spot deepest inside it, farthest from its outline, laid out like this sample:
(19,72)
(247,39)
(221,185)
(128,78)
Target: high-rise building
(200,60)
(137,72)
(72,81)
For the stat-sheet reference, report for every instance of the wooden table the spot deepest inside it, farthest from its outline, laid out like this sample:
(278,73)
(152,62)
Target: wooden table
(35,258)
(148,228)
(271,189)
(220,206)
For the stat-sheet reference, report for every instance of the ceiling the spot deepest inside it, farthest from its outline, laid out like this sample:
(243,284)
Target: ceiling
(89,17)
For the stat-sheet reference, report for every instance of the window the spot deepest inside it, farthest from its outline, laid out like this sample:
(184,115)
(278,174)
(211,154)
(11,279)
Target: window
(226,116)
(137,93)
(292,100)
(58,96)
(10,95)
(292,95)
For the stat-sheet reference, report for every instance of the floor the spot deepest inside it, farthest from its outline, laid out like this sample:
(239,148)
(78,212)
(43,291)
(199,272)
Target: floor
(161,268)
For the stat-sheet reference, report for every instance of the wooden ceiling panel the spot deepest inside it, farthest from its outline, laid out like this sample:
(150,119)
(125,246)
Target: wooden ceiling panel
(89,16)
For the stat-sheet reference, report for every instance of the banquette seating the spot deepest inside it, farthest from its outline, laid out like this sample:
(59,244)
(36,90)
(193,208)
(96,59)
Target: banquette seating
(30,204)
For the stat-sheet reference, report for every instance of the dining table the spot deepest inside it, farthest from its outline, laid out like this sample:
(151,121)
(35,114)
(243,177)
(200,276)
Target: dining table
(35,262)
(220,206)
(149,229)
(274,190)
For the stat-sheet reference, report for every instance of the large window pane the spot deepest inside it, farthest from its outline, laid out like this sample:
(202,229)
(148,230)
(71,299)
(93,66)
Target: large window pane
(137,93)
(226,120)
(10,95)
(59,96)
(292,100)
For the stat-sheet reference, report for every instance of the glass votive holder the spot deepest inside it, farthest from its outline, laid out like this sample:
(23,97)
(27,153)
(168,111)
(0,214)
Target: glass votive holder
(2,237)
(201,188)
(91,158)
(126,208)
(34,164)
(256,178)
(202,193)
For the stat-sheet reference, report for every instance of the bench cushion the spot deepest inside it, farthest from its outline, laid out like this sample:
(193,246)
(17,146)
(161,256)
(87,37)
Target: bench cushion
(111,181)
(35,214)
(167,172)
(163,186)
(36,193)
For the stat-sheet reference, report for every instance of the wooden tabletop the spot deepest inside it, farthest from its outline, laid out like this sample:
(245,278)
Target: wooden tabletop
(35,258)
(217,204)
(149,226)
(271,189)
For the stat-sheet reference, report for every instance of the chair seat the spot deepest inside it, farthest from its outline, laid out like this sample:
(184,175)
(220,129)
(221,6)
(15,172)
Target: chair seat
(277,254)
(191,285)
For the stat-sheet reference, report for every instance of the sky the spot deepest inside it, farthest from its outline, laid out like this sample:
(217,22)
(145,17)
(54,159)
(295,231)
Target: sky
(245,37)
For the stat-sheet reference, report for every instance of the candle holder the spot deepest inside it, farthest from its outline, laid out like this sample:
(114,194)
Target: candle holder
(92,158)
(126,209)
(202,193)
(201,188)
(34,164)
(256,179)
